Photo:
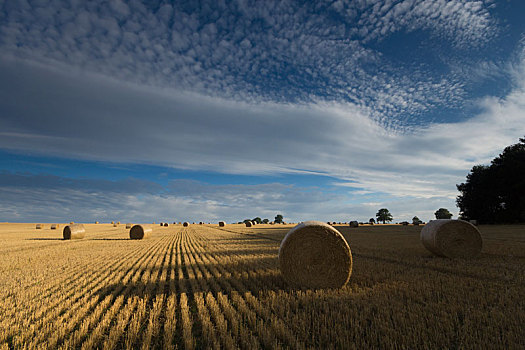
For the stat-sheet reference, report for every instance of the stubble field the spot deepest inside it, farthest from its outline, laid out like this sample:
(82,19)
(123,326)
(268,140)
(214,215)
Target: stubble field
(208,287)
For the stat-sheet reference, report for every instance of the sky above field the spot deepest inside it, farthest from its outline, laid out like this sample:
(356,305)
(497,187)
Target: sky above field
(213,110)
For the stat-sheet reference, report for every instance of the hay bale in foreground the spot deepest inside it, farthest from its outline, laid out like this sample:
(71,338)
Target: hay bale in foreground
(315,255)
(452,238)
(185,224)
(248,224)
(140,232)
(74,231)
(353,224)
(128,225)
(39,226)
(55,226)
(222,223)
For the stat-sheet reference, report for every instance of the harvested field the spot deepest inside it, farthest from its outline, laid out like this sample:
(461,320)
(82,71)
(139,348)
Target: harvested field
(208,286)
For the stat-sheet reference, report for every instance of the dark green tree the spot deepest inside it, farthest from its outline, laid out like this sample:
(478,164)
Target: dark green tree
(372,220)
(278,219)
(257,220)
(495,193)
(384,215)
(416,220)
(265,221)
(443,213)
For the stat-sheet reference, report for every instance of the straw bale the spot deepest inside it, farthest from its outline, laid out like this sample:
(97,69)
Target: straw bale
(96,222)
(74,231)
(452,238)
(185,224)
(354,224)
(128,225)
(222,223)
(315,255)
(166,224)
(140,232)
(72,222)
(39,226)
(55,226)
(248,224)
(115,225)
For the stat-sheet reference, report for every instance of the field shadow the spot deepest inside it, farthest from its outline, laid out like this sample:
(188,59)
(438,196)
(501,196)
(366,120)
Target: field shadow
(110,239)
(44,239)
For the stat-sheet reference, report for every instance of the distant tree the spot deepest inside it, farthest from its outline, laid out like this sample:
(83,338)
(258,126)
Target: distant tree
(416,220)
(246,221)
(495,193)
(372,220)
(384,215)
(443,213)
(265,221)
(278,219)
(257,220)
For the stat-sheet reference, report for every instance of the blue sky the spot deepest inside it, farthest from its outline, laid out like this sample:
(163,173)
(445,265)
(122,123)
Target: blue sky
(212,110)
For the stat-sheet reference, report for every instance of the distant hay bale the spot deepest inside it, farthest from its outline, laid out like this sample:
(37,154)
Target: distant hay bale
(452,238)
(96,222)
(128,225)
(140,232)
(71,222)
(248,224)
(118,222)
(115,225)
(254,222)
(201,223)
(39,226)
(185,224)
(74,231)
(112,222)
(315,255)
(55,226)
(166,224)
(474,222)
(222,223)
(161,224)
(353,224)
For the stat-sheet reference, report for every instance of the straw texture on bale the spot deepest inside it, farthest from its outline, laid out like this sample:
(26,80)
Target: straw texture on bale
(55,226)
(39,226)
(354,224)
(315,255)
(185,224)
(74,231)
(248,224)
(128,225)
(140,232)
(452,238)
(222,223)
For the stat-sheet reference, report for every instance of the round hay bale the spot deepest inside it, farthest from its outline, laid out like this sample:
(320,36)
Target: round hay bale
(118,222)
(248,224)
(96,222)
(353,224)
(166,224)
(128,225)
(39,226)
(161,224)
(55,226)
(222,223)
(74,231)
(115,225)
(71,222)
(315,255)
(112,222)
(185,224)
(140,232)
(452,238)
(201,223)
